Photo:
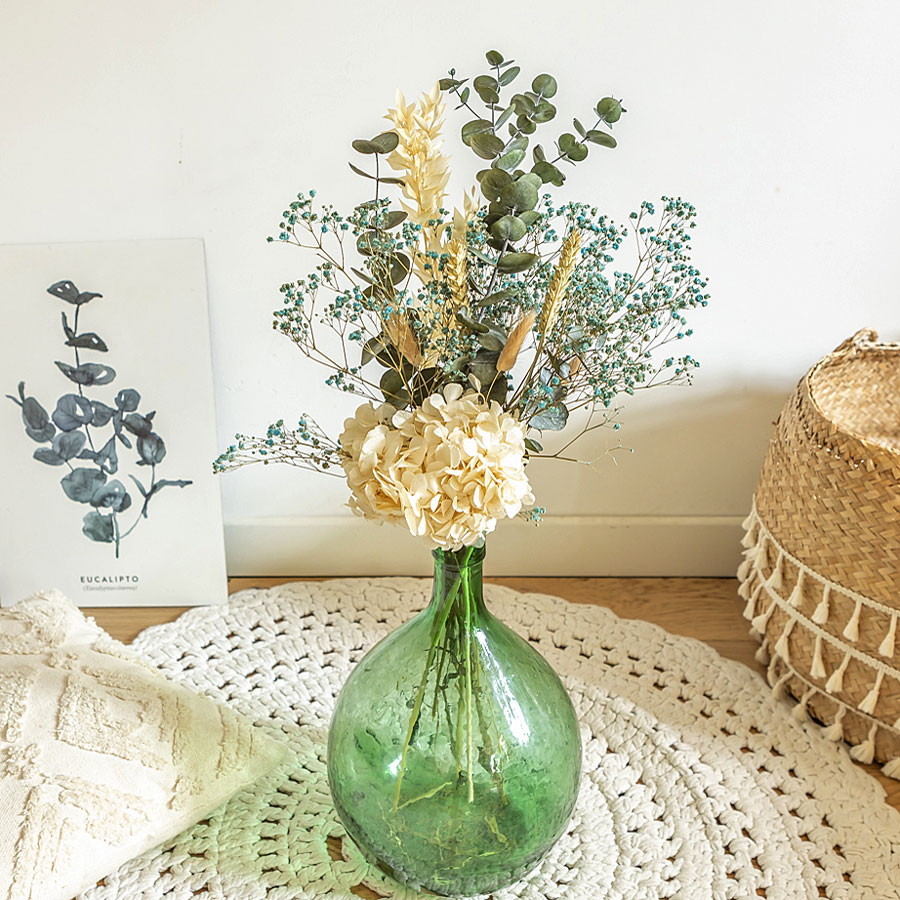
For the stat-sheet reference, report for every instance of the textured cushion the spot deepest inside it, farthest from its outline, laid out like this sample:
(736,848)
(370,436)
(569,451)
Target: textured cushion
(101,757)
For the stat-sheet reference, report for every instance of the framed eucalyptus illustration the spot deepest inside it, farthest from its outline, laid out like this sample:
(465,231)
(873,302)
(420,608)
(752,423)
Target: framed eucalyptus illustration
(107,425)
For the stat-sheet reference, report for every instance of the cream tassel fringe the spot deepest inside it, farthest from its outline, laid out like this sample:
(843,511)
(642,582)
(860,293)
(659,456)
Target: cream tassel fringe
(871,699)
(749,522)
(744,569)
(762,653)
(796,598)
(782,648)
(851,630)
(820,616)
(744,589)
(776,579)
(817,670)
(835,731)
(759,622)
(800,711)
(865,752)
(887,645)
(835,684)
(779,689)
(892,768)
(749,538)
(750,608)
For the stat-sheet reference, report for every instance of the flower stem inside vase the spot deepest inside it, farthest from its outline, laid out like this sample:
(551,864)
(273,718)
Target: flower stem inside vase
(456,602)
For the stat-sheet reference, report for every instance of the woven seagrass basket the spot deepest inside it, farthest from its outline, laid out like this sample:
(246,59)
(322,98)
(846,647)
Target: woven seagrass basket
(821,573)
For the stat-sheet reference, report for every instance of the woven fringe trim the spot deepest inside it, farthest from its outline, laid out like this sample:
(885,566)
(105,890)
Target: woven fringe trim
(763,593)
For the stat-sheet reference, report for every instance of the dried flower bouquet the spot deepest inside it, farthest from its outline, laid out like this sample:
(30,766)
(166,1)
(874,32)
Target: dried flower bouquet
(469,335)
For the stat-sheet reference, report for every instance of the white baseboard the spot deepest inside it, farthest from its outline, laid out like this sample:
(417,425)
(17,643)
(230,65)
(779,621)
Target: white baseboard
(562,545)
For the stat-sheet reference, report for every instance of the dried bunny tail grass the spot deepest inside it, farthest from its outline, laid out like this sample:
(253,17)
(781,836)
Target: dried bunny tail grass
(513,345)
(556,291)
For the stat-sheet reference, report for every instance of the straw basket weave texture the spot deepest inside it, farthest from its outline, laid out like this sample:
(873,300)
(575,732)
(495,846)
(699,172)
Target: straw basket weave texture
(821,574)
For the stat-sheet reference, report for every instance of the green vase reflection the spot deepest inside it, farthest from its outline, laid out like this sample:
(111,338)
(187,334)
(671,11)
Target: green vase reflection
(454,754)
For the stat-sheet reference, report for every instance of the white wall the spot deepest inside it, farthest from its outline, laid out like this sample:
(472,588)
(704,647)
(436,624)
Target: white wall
(183,118)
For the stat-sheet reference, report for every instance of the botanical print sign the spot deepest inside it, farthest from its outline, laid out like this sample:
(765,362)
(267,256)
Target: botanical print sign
(107,425)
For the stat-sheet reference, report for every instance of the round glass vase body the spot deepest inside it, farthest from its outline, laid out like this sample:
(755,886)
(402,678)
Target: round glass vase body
(454,754)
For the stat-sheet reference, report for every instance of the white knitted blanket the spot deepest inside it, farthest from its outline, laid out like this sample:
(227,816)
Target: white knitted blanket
(697,784)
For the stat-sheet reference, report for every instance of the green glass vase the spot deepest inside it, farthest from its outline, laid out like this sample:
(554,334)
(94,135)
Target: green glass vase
(454,754)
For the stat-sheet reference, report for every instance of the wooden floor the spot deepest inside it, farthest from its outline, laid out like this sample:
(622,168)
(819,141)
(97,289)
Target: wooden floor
(704,608)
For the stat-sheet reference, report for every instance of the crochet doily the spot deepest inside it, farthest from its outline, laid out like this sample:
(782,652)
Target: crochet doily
(697,783)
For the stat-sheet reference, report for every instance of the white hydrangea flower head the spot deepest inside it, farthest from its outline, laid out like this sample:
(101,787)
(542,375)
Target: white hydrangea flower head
(448,469)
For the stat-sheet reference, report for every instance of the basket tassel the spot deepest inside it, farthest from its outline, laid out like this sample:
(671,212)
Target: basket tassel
(762,652)
(749,538)
(796,598)
(851,630)
(776,579)
(750,608)
(835,683)
(820,616)
(869,701)
(800,711)
(865,752)
(892,768)
(835,731)
(759,622)
(744,590)
(744,569)
(779,688)
(749,522)
(782,648)
(887,645)
(817,669)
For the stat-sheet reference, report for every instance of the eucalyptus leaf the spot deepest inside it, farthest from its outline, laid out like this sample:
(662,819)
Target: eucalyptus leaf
(533,445)
(504,117)
(487,146)
(582,131)
(492,340)
(447,84)
(529,217)
(72,411)
(551,418)
(79,484)
(151,448)
(476,126)
(98,527)
(87,373)
(517,262)
(391,219)
(524,125)
(128,400)
(545,85)
(361,172)
(601,138)
(509,228)
(386,142)
(544,113)
(361,146)
(548,173)
(493,183)
(394,389)
(494,58)
(101,413)
(519,196)
(477,327)
(509,160)
(88,341)
(509,75)
(523,104)
(610,110)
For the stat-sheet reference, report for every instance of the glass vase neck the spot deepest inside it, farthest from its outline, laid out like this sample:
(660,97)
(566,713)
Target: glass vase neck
(457,579)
